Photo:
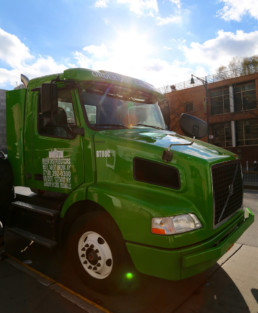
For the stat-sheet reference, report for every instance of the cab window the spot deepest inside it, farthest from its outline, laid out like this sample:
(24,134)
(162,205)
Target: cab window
(60,121)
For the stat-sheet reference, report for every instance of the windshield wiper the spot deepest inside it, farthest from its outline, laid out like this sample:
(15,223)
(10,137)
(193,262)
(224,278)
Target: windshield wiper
(110,125)
(145,125)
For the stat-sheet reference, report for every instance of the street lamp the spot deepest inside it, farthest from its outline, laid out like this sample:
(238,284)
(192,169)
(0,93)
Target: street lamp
(205,84)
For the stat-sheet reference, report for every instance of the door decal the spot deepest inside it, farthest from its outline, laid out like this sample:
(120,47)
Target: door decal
(57,170)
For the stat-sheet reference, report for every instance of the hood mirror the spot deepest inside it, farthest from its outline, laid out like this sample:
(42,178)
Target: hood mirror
(193,126)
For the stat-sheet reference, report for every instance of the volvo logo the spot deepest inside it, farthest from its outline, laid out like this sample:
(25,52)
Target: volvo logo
(231,189)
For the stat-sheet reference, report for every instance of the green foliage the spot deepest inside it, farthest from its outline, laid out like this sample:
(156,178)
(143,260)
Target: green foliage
(250,65)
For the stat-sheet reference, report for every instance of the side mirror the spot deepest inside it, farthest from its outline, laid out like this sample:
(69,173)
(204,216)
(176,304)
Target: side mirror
(48,98)
(193,126)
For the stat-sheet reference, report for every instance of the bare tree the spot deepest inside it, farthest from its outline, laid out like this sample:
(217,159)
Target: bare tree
(238,67)
(222,73)
(234,65)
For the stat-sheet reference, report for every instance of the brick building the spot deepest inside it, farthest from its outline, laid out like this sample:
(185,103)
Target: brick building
(232,111)
(2,121)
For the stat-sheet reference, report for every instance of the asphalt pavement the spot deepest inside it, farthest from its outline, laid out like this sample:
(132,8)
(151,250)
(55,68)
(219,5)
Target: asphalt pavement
(32,280)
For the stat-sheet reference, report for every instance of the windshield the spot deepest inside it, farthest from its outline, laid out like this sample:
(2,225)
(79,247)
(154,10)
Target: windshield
(104,111)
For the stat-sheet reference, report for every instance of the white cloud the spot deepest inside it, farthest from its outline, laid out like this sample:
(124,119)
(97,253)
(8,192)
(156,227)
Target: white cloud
(141,6)
(161,73)
(235,9)
(222,49)
(42,66)
(119,56)
(101,3)
(139,64)
(138,7)
(8,77)
(97,51)
(12,51)
(176,19)
(176,2)
(17,57)
(178,16)
(149,7)
(82,60)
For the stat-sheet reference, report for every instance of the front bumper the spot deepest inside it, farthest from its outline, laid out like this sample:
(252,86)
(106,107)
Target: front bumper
(182,263)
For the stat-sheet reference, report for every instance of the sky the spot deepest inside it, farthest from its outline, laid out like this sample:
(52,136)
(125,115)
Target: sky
(162,42)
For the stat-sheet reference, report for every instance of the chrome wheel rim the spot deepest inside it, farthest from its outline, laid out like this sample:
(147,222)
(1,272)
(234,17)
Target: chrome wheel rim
(95,255)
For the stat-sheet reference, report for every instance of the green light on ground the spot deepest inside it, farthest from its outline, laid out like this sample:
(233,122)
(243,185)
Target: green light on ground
(129,276)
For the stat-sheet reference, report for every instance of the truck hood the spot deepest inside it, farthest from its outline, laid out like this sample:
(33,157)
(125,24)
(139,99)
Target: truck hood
(160,140)
(125,157)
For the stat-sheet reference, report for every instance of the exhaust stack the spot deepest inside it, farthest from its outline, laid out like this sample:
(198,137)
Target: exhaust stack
(25,80)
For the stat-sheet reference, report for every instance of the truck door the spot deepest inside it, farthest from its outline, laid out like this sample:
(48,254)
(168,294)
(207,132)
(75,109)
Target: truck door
(53,152)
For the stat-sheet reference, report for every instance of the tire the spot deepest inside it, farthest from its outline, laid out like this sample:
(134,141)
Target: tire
(98,253)
(6,187)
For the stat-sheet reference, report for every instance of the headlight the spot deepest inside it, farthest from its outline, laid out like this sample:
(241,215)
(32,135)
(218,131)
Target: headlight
(175,224)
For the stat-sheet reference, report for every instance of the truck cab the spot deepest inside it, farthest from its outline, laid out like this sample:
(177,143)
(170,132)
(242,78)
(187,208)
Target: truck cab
(112,181)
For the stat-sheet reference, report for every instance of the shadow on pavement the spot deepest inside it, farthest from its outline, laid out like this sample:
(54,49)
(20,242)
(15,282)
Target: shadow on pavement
(213,291)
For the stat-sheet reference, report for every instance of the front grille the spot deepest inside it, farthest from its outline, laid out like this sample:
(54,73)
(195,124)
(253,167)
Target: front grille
(227,189)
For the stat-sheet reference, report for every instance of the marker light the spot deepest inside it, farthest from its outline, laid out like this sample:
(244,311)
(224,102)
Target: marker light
(129,276)
(175,224)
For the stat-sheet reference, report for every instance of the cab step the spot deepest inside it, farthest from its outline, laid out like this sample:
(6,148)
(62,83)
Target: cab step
(48,243)
(35,208)
(35,218)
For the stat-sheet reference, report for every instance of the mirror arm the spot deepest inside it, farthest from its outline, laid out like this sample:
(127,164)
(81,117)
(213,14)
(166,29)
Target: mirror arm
(181,144)
(168,154)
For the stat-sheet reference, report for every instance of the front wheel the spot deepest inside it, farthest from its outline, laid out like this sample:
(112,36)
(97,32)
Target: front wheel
(99,254)
(95,255)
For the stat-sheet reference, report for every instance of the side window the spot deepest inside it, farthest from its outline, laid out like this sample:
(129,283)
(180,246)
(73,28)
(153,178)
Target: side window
(91,113)
(60,120)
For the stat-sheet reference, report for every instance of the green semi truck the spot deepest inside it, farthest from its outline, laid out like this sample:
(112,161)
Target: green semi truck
(113,184)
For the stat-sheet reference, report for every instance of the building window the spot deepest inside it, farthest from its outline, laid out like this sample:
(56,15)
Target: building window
(219,100)
(222,134)
(189,107)
(247,132)
(245,96)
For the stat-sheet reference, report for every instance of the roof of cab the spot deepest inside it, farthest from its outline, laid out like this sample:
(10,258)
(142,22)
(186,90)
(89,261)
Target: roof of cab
(81,74)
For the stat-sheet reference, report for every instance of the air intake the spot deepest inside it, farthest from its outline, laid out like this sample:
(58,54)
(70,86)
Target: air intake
(156,173)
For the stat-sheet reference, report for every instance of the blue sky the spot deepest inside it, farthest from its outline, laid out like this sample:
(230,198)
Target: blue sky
(160,41)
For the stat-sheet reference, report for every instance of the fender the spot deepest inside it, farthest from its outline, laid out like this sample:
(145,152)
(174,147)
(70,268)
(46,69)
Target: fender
(133,211)
(79,194)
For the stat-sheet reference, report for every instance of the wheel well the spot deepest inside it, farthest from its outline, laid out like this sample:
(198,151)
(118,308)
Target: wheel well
(75,212)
